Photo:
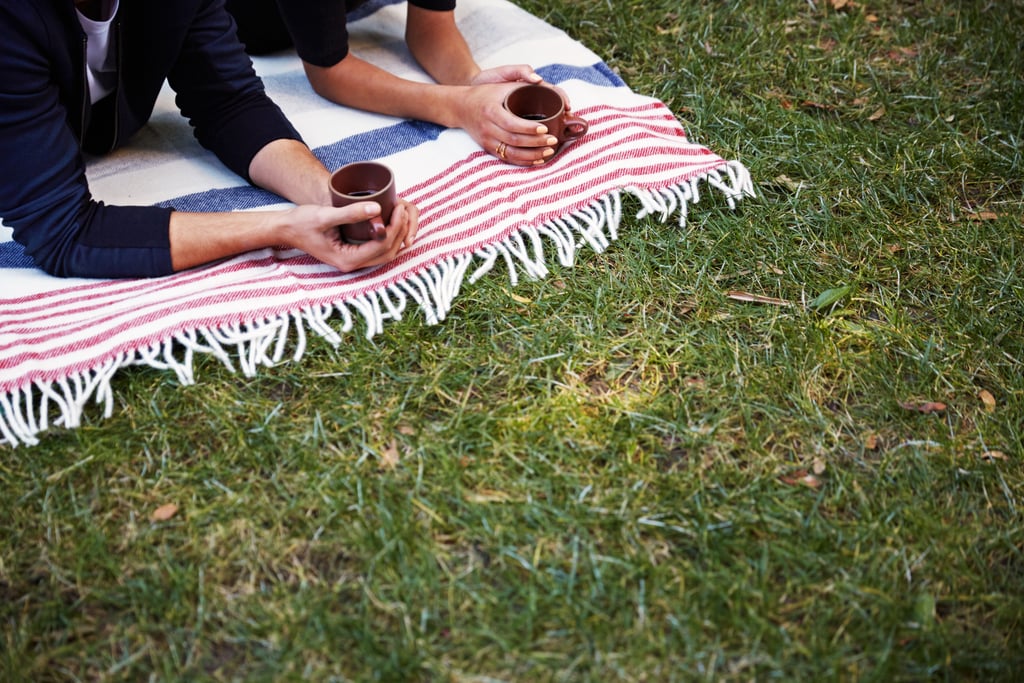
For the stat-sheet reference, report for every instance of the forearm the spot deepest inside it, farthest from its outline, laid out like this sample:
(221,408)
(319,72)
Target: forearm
(198,238)
(439,47)
(355,83)
(287,168)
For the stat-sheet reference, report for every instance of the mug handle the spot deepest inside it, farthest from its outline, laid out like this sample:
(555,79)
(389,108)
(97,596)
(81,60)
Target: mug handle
(574,127)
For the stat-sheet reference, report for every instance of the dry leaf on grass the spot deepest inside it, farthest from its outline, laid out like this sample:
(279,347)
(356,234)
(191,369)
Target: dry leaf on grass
(788,183)
(877,114)
(487,496)
(801,478)
(520,299)
(900,55)
(871,441)
(164,512)
(694,382)
(389,456)
(757,298)
(983,216)
(994,455)
(816,106)
(926,407)
(988,399)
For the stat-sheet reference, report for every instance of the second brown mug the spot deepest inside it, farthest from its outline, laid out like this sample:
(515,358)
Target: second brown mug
(544,105)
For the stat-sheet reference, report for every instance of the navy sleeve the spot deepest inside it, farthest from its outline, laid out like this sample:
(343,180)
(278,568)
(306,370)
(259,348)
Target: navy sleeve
(319,27)
(219,92)
(260,26)
(437,5)
(44,195)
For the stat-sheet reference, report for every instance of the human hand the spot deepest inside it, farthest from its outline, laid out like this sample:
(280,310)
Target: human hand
(516,73)
(503,134)
(500,132)
(314,230)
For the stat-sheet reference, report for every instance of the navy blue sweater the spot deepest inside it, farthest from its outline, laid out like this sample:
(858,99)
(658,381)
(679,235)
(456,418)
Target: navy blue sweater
(46,121)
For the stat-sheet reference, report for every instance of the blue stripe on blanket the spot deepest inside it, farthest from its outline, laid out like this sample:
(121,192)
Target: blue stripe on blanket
(12,255)
(378,143)
(597,74)
(370,145)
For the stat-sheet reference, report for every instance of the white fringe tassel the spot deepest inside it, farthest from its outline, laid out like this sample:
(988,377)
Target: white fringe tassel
(26,412)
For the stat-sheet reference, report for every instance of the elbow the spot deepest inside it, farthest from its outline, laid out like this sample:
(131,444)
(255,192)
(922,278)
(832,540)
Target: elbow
(48,244)
(102,242)
(323,80)
(54,258)
(321,88)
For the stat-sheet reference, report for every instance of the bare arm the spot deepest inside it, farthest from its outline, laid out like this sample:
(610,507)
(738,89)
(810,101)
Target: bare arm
(437,44)
(288,168)
(463,96)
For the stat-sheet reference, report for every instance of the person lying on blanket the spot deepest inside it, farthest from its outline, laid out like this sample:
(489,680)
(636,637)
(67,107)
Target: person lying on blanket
(81,76)
(464,96)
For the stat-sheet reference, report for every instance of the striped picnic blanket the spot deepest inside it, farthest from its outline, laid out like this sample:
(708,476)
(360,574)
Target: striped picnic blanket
(61,340)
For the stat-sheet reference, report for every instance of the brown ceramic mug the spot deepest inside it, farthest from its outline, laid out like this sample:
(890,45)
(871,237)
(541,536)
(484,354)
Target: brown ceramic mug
(545,106)
(364,181)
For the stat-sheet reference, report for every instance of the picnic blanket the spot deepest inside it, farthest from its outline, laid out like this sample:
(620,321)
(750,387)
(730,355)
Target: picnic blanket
(62,340)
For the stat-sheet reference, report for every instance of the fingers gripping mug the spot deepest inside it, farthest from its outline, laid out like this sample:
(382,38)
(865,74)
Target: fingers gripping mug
(364,181)
(545,106)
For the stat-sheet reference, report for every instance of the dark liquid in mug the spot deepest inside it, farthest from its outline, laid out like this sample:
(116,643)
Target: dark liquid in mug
(361,193)
(533,117)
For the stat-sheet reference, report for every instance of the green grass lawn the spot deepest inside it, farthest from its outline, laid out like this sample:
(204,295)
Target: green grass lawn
(625,471)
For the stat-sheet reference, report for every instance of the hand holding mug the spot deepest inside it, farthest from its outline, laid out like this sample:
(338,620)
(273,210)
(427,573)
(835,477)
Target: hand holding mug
(364,181)
(545,105)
